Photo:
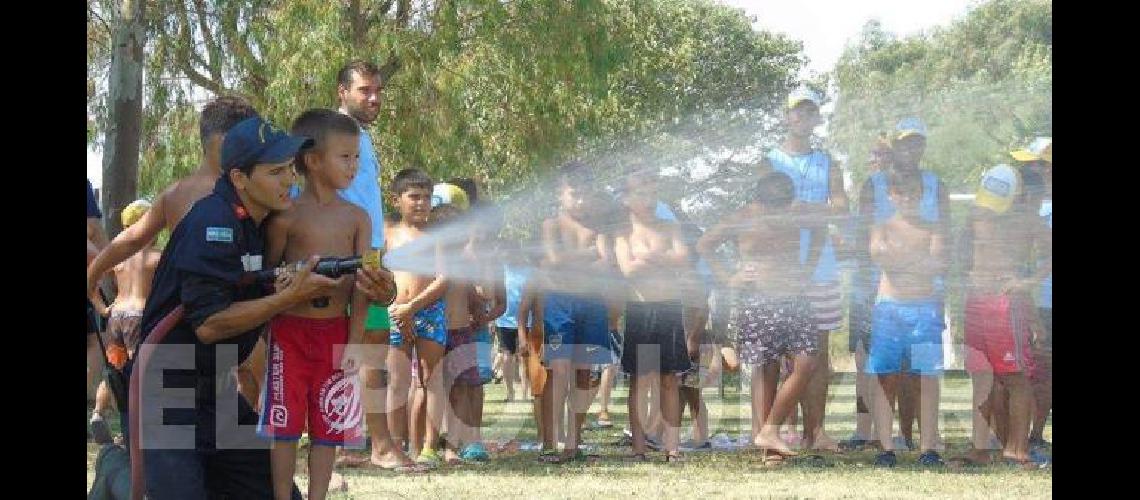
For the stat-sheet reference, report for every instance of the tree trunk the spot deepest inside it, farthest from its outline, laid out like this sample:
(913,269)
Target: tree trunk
(124,96)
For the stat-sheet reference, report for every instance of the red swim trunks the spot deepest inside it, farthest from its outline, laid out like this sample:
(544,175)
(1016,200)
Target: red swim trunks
(305,385)
(998,333)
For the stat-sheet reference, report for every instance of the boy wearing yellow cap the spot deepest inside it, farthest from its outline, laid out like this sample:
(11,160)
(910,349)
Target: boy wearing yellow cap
(1000,321)
(132,279)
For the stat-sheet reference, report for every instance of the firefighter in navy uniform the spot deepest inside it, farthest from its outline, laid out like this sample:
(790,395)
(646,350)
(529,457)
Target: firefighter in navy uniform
(187,378)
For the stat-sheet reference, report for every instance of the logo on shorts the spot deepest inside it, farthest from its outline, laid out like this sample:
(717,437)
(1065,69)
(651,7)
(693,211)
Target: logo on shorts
(555,341)
(340,403)
(278,416)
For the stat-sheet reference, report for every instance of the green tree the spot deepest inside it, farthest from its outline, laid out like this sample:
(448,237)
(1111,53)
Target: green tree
(500,91)
(982,85)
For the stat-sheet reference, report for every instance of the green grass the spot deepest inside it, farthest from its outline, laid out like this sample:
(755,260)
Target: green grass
(720,474)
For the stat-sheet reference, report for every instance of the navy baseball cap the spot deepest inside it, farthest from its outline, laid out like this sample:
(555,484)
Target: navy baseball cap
(255,140)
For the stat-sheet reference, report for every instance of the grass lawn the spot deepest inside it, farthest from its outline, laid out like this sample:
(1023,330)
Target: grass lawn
(721,474)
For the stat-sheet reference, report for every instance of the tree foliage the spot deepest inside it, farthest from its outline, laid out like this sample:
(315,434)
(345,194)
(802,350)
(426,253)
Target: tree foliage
(494,89)
(983,85)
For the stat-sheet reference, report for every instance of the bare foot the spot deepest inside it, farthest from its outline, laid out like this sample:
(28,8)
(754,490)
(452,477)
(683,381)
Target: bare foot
(346,458)
(824,442)
(450,457)
(1015,457)
(392,459)
(773,444)
(975,458)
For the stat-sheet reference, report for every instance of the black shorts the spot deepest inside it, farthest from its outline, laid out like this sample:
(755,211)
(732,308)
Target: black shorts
(654,338)
(508,339)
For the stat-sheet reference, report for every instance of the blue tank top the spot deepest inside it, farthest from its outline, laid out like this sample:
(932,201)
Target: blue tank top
(1046,300)
(809,173)
(928,210)
(514,280)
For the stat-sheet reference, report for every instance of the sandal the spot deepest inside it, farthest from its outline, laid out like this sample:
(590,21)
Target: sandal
(930,458)
(771,459)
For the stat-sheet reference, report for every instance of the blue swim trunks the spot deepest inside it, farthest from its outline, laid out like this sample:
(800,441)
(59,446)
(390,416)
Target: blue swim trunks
(431,324)
(577,328)
(906,334)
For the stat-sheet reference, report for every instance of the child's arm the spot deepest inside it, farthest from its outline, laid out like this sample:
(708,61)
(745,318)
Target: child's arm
(128,242)
(711,241)
(605,253)
(627,263)
(679,254)
(498,298)
(550,242)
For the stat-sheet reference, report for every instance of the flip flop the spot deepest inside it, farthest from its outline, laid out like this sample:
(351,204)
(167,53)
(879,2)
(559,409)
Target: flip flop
(429,458)
(474,452)
(772,460)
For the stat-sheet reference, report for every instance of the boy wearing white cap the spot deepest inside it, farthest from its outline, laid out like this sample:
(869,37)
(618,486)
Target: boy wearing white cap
(1000,234)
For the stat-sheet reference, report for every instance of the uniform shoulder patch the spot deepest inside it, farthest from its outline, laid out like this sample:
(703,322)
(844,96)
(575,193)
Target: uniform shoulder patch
(220,234)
